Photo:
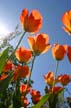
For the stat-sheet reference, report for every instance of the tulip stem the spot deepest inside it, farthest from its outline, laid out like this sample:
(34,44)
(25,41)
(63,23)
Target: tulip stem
(63,94)
(31,69)
(68,91)
(17,45)
(56,69)
(29,79)
(55,73)
(32,66)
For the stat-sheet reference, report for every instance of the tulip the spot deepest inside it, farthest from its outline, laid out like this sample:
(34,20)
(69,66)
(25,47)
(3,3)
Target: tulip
(59,51)
(24,88)
(64,79)
(24,101)
(49,78)
(3,76)
(23,54)
(35,96)
(9,65)
(31,22)
(21,72)
(66,19)
(69,53)
(39,44)
(55,89)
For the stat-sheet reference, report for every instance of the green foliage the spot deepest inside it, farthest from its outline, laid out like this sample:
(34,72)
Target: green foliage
(53,99)
(16,101)
(5,83)
(3,59)
(11,106)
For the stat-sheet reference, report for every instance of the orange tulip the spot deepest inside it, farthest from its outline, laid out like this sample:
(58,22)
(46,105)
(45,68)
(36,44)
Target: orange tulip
(49,78)
(59,51)
(23,55)
(55,89)
(36,96)
(69,99)
(31,23)
(24,101)
(3,76)
(66,19)
(64,79)
(39,44)
(9,65)
(24,88)
(69,53)
(21,71)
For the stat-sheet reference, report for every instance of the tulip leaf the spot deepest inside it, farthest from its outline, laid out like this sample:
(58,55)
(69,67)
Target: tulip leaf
(3,59)
(11,106)
(5,82)
(16,101)
(42,101)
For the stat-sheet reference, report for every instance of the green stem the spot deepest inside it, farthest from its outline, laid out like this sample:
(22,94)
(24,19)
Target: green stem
(63,91)
(32,67)
(30,74)
(56,69)
(63,94)
(17,95)
(68,91)
(55,73)
(31,70)
(17,45)
(17,86)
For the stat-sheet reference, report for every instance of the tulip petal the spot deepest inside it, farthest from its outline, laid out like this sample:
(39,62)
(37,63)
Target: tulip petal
(31,41)
(66,30)
(46,48)
(23,16)
(65,20)
(69,53)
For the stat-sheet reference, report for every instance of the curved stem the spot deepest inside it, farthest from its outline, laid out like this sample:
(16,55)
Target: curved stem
(17,45)
(30,75)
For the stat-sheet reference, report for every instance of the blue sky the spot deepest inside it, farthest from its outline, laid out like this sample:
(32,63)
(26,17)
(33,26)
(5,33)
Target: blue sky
(52,11)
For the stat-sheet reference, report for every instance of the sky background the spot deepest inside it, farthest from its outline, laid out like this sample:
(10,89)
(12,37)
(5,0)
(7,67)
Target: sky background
(52,11)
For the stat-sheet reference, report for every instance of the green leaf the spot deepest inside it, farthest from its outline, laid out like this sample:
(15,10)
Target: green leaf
(17,96)
(16,101)
(42,101)
(3,59)
(11,106)
(5,83)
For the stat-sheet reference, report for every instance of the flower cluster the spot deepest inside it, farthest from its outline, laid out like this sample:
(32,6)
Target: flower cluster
(16,85)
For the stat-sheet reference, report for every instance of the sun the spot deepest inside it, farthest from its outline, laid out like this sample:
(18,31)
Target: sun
(3,29)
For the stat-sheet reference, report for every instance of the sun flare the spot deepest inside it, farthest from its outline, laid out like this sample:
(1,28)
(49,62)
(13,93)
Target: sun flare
(3,30)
